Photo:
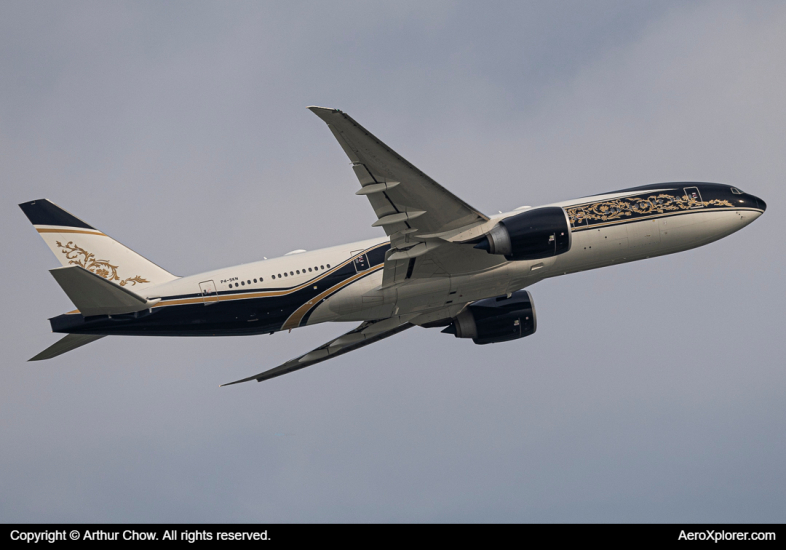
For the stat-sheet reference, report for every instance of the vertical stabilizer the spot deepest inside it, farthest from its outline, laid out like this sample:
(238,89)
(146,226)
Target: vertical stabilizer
(76,243)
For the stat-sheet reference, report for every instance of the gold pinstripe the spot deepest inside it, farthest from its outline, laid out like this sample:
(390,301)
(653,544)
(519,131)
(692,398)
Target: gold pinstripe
(294,320)
(233,297)
(83,231)
(265,294)
(271,293)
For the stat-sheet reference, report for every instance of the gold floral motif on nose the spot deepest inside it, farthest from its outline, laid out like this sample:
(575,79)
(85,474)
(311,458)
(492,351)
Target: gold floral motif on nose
(619,208)
(77,255)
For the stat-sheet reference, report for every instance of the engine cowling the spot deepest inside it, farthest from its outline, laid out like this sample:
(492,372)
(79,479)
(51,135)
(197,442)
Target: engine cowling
(532,235)
(495,320)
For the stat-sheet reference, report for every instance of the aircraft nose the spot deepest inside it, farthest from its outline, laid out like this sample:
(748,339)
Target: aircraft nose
(751,201)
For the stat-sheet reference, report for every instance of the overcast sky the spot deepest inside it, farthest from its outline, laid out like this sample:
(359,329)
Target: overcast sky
(652,391)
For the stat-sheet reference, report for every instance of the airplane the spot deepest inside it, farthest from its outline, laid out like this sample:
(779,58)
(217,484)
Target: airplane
(442,264)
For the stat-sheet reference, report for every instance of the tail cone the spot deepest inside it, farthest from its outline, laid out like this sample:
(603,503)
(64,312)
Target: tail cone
(484,245)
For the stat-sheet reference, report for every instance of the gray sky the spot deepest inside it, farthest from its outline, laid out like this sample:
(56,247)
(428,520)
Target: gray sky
(652,391)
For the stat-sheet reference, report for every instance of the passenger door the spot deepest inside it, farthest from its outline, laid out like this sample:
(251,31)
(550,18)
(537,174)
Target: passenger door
(360,262)
(208,291)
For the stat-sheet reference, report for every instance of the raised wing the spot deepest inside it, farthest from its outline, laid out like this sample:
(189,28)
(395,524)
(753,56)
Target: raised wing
(365,334)
(404,199)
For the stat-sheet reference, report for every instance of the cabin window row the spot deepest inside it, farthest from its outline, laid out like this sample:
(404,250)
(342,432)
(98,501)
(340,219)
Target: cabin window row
(285,274)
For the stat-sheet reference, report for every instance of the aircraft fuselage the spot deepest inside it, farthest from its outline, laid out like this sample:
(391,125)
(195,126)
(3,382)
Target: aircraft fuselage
(345,283)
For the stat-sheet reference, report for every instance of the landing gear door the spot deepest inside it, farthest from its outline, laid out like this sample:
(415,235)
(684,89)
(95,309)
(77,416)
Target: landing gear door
(208,291)
(361,262)
(694,197)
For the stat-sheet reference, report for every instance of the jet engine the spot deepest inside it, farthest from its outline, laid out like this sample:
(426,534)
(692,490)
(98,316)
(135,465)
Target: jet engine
(532,235)
(496,319)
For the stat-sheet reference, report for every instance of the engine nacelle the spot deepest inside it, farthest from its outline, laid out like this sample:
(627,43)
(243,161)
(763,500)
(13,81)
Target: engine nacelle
(496,319)
(532,235)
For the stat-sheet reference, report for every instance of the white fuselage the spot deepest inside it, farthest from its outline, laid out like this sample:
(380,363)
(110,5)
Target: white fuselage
(446,281)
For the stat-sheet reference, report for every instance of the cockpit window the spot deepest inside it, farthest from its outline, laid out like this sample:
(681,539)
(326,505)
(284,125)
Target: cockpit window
(736,191)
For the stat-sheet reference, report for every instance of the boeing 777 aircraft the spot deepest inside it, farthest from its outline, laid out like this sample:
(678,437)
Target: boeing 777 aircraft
(441,264)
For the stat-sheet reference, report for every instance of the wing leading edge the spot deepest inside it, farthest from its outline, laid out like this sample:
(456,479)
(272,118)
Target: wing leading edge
(404,199)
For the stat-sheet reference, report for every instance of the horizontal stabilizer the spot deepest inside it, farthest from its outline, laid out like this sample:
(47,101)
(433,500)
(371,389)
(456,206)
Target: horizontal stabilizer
(94,295)
(71,341)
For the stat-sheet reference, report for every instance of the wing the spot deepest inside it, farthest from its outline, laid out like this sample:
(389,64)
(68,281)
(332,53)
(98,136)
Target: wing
(404,199)
(367,333)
